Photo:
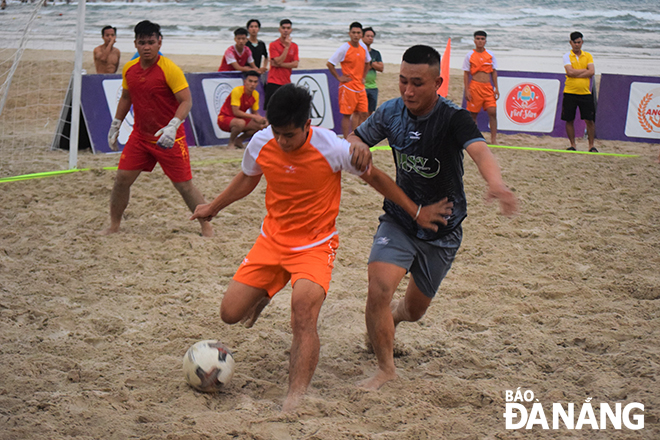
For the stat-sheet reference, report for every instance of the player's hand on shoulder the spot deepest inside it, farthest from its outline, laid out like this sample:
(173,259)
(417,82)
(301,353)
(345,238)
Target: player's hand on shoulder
(508,201)
(439,212)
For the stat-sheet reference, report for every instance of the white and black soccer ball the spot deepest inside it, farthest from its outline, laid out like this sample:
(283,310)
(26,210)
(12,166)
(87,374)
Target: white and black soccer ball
(208,365)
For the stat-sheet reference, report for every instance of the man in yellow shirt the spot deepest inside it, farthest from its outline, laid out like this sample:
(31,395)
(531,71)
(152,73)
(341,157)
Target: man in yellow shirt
(579,67)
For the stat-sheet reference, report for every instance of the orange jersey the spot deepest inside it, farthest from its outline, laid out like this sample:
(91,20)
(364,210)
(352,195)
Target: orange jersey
(479,62)
(152,95)
(303,186)
(352,60)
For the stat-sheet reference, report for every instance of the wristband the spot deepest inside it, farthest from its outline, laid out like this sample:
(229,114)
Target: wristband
(419,208)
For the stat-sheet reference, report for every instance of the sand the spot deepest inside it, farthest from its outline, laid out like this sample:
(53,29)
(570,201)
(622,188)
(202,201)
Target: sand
(563,300)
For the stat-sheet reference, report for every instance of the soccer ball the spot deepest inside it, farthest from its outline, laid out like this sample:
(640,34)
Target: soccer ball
(208,366)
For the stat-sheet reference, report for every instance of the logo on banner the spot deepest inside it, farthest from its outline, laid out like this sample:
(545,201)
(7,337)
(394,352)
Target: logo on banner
(648,111)
(220,94)
(318,99)
(525,103)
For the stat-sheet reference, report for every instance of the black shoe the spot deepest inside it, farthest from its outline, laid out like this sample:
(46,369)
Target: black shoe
(570,149)
(593,150)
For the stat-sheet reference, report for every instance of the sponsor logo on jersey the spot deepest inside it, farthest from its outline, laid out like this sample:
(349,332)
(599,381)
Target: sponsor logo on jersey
(418,164)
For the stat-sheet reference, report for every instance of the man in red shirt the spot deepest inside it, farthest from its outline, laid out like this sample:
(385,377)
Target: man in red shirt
(283,58)
(161,100)
(238,56)
(233,116)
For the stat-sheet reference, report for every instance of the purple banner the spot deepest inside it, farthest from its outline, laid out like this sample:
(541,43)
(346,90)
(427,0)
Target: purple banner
(629,108)
(530,102)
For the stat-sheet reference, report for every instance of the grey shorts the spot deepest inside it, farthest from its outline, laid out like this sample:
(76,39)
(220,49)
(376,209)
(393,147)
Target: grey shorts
(427,262)
(372,99)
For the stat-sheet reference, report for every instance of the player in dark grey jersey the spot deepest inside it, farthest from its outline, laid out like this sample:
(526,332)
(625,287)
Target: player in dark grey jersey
(427,134)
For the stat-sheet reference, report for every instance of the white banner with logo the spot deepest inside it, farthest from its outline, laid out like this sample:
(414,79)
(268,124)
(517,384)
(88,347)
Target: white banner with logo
(527,104)
(643,118)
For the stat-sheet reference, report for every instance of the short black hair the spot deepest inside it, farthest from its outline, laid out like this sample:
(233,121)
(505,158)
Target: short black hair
(250,73)
(105,28)
(290,104)
(240,31)
(355,24)
(285,21)
(147,29)
(253,20)
(480,34)
(365,30)
(421,54)
(575,35)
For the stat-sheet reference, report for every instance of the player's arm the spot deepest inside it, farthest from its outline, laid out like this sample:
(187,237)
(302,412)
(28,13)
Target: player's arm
(241,114)
(333,72)
(466,85)
(580,73)
(123,107)
(240,68)
(490,171)
(240,186)
(426,216)
(167,135)
(360,152)
(378,66)
(496,88)
(278,60)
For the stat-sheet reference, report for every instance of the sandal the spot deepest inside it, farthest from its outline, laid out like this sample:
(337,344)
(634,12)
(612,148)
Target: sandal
(570,148)
(593,150)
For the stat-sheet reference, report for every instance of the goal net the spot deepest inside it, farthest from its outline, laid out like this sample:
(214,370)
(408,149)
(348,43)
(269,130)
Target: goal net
(34,80)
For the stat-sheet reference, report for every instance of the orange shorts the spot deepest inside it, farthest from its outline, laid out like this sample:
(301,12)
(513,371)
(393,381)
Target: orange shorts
(483,96)
(224,122)
(270,266)
(351,101)
(139,154)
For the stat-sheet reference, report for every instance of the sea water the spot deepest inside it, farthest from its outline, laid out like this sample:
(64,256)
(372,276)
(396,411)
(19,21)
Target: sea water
(623,35)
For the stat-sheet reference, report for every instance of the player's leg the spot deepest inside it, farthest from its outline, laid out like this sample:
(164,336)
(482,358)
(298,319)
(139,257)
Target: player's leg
(568,108)
(306,300)
(237,125)
(384,279)
(121,194)
(243,303)
(413,307)
(492,120)
(251,128)
(591,135)
(193,197)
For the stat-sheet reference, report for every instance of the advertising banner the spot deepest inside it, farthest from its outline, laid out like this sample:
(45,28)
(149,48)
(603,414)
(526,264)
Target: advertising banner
(530,102)
(210,90)
(629,108)
(98,102)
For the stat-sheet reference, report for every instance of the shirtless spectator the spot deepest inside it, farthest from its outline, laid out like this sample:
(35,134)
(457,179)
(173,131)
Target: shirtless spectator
(106,56)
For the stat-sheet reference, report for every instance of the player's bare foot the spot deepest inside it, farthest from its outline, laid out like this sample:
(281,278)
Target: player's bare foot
(291,402)
(236,144)
(207,229)
(109,231)
(378,380)
(254,313)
